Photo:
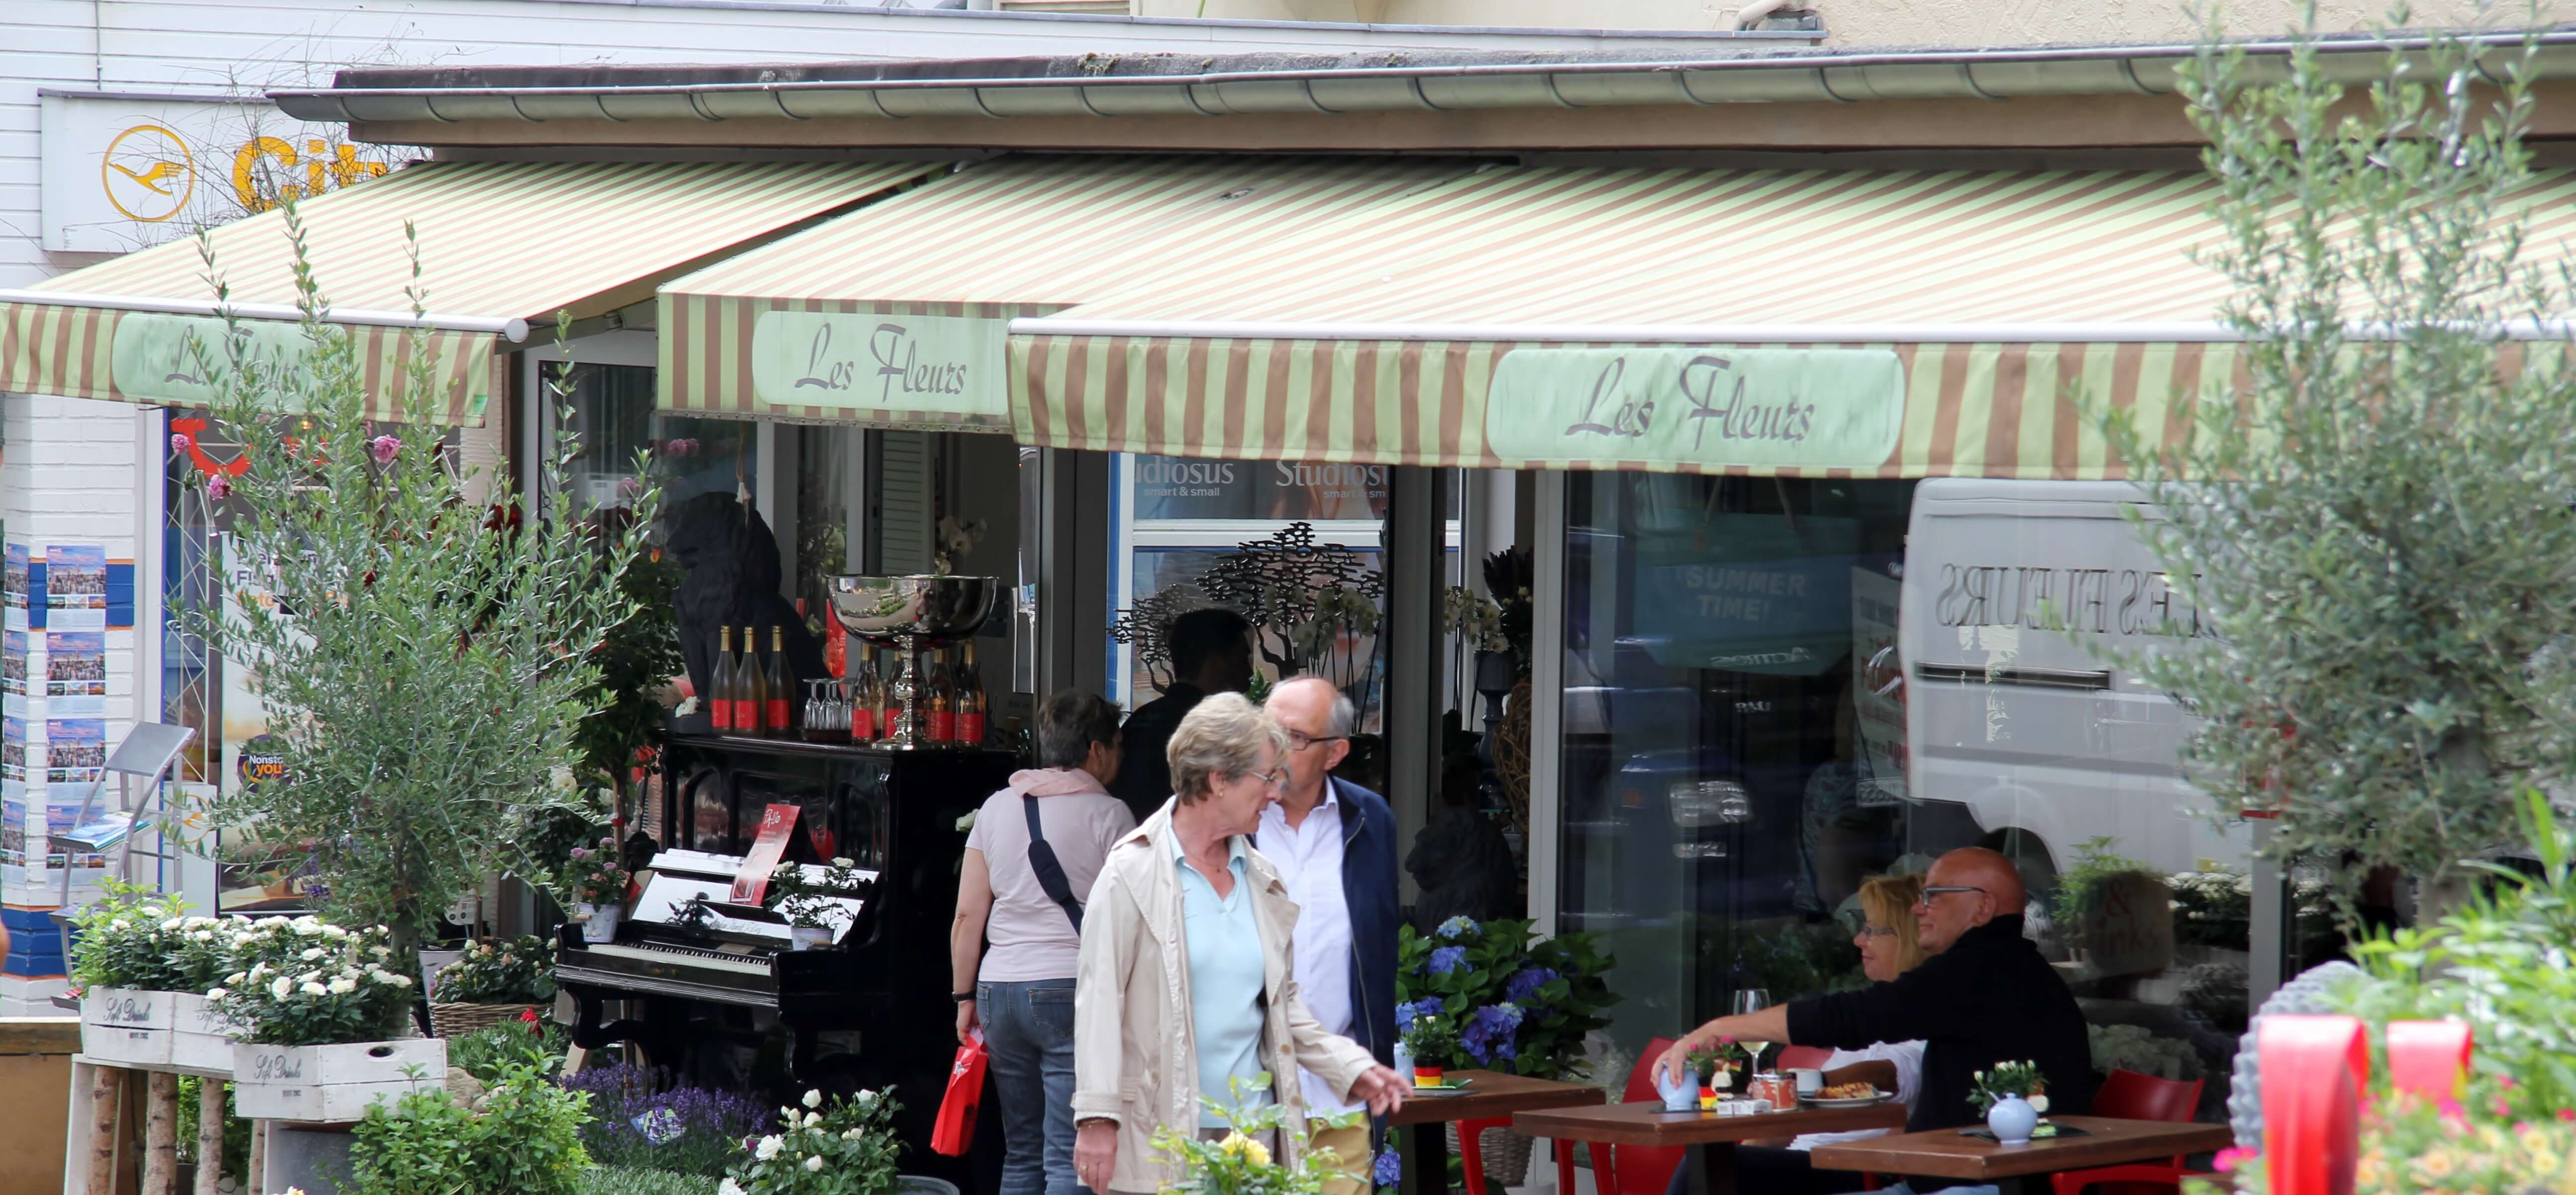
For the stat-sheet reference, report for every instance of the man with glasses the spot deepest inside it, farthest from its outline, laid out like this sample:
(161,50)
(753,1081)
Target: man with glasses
(1334,845)
(1984,997)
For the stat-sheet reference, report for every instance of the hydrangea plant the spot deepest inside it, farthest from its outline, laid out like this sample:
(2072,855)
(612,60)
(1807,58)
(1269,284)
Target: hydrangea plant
(1517,1004)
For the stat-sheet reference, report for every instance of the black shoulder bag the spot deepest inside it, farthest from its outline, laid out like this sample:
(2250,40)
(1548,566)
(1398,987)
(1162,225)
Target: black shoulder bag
(1050,873)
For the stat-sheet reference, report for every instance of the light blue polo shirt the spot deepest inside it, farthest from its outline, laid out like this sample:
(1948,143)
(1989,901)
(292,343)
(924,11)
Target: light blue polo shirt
(1225,978)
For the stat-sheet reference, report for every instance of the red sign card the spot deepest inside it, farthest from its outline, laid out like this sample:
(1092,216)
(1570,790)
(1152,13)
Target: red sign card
(752,882)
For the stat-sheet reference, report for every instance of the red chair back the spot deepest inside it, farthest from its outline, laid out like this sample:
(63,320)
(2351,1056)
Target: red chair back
(2128,1095)
(1640,1169)
(1802,1058)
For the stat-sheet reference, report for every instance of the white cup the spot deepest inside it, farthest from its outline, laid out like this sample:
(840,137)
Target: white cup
(1809,1081)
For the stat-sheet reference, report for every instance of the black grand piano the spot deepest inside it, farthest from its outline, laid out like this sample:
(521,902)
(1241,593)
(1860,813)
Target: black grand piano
(723,1000)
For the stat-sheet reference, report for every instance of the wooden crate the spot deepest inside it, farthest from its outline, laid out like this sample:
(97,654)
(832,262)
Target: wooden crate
(332,1084)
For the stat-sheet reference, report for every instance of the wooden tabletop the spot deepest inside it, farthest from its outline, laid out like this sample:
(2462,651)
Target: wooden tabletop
(1944,1153)
(1646,1123)
(1492,1094)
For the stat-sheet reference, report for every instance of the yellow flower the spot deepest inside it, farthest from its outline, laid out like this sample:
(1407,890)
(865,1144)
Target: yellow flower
(2434,1165)
(1246,1148)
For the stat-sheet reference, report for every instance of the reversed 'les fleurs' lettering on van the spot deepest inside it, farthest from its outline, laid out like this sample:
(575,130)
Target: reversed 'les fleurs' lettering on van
(1715,407)
(2092,601)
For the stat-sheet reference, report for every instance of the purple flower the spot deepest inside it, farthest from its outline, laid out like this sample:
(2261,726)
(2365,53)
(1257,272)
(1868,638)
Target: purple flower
(1525,983)
(1488,1035)
(1390,1168)
(218,486)
(384,448)
(1447,959)
(581,852)
(182,441)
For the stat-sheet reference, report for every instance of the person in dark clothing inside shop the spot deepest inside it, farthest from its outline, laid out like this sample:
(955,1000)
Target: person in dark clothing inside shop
(1984,997)
(1211,653)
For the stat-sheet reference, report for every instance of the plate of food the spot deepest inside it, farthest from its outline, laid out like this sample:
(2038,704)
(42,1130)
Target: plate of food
(1847,1095)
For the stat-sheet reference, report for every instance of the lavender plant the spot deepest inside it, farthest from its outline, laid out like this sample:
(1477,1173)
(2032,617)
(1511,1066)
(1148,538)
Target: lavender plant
(639,1124)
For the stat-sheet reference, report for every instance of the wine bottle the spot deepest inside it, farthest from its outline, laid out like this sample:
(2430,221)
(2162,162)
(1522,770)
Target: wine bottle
(720,683)
(942,704)
(971,702)
(778,689)
(747,695)
(864,699)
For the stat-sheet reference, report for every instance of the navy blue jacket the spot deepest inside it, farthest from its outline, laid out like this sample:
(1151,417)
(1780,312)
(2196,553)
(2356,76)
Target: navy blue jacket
(1369,887)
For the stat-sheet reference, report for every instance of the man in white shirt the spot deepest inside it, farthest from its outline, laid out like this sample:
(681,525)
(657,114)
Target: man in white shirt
(1334,844)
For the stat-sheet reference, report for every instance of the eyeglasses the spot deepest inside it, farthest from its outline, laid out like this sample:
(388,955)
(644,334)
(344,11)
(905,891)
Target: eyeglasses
(1877,931)
(1925,901)
(1299,740)
(1275,779)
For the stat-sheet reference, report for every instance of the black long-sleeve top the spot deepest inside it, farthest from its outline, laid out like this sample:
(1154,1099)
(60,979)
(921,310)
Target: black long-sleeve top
(1989,998)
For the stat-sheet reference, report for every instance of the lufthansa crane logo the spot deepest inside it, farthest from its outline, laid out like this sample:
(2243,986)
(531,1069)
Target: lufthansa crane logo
(148,173)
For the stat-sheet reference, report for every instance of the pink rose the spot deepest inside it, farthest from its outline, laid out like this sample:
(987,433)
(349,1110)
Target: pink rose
(581,852)
(384,448)
(219,487)
(182,441)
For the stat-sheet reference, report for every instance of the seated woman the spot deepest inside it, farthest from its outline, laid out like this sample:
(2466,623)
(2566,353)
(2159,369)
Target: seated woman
(1887,950)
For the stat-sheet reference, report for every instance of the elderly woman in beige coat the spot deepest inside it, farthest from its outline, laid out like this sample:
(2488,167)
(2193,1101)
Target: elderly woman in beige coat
(1184,983)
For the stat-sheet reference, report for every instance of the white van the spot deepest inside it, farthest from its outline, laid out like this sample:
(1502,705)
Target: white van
(2013,712)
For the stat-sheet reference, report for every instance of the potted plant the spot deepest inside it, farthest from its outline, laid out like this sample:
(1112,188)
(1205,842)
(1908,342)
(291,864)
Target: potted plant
(1431,1040)
(315,1010)
(1715,1065)
(1517,1004)
(124,959)
(1239,1164)
(491,983)
(816,907)
(200,1037)
(842,1146)
(597,886)
(2012,1095)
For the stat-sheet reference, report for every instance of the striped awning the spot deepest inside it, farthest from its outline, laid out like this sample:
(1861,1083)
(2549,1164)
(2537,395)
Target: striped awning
(498,242)
(896,315)
(1815,323)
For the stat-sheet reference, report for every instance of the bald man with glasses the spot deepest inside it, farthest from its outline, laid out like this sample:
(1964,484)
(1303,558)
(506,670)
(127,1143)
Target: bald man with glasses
(1984,997)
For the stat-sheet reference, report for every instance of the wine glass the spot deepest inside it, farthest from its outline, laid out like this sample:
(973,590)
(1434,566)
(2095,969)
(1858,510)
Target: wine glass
(1747,1002)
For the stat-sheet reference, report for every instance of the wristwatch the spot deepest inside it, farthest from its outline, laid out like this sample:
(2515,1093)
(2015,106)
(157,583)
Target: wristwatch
(962,997)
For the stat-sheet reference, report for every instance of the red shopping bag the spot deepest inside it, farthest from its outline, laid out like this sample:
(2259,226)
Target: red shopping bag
(954,1133)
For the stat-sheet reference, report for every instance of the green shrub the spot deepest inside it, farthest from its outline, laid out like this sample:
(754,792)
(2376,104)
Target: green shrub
(623,1180)
(487,1053)
(526,1140)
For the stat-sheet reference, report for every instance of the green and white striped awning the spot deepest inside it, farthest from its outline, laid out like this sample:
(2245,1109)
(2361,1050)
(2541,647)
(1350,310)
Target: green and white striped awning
(502,245)
(1819,323)
(896,315)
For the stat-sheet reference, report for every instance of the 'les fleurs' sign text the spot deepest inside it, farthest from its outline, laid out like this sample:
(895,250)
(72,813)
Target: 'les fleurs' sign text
(1778,408)
(944,365)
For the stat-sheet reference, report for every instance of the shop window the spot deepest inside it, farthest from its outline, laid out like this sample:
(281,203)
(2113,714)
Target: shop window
(612,412)
(1737,759)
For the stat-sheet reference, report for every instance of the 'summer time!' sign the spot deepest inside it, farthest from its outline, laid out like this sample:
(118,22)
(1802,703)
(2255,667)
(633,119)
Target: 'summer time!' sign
(871,362)
(1778,407)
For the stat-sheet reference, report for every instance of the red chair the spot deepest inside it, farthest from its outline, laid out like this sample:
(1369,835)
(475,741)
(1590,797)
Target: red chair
(2129,1095)
(1620,1169)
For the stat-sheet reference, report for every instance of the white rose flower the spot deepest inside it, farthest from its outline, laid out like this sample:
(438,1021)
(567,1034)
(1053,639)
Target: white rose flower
(381,951)
(203,935)
(2038,1103)
(966,823)
(314,989)
(283,988)
(842,861)
(309,977)
(343,986)
(236,979)
(171,924)
(812,1119)
(813,1099)
(120,924)
(216,995)
(335,933)
(310,955)
(853,1135)
(728,1186)
(402,981)
(768,1148)
(814,1165)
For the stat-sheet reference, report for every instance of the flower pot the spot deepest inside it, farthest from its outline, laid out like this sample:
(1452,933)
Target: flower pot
(332,1084)
(599,922)
(809,937)
(2011,1119)
(1707,1098)
(1426,1076)
(200,1038)
(126,1027)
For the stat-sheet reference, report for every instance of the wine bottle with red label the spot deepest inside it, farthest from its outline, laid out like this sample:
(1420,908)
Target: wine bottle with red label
(778,690)
(970,701)
(746,691)
(720,684)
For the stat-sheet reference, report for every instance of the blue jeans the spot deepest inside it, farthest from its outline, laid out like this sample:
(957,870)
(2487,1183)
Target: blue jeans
(1028,1030)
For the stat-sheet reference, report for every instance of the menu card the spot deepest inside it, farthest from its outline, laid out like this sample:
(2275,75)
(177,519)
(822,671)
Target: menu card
(752,882)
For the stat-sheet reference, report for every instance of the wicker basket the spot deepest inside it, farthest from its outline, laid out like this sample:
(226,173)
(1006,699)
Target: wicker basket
(1506,1153)
(457,1020)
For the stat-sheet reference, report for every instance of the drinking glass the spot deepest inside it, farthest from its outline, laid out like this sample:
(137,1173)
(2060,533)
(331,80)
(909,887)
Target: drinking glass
(1748,1001)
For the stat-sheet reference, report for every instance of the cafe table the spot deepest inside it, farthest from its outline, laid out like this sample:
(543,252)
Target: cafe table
(1712,1167)
(1948,1154)
(1485,1095)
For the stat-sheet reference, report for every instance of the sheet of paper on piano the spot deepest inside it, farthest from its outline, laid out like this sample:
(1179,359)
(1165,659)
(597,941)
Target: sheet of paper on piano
(776,823)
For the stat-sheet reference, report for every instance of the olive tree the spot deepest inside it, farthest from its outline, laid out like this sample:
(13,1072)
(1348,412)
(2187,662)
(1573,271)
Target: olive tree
(424,661)
(2374,523)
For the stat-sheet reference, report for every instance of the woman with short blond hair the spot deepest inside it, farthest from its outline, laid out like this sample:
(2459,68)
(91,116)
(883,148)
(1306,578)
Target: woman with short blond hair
(1186,986)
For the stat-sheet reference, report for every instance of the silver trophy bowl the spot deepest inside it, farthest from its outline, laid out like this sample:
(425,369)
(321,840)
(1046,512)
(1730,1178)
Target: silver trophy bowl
(911,613)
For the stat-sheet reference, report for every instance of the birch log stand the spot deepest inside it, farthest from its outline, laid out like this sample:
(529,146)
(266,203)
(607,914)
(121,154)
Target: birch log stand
(103,1130)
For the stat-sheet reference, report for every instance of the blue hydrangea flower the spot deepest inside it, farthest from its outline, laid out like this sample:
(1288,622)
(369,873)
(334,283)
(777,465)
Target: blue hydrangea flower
(1526,982)
(1404,1013)
(1447,959)
(1461,924)
(1390,1168)
(1489,1032)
